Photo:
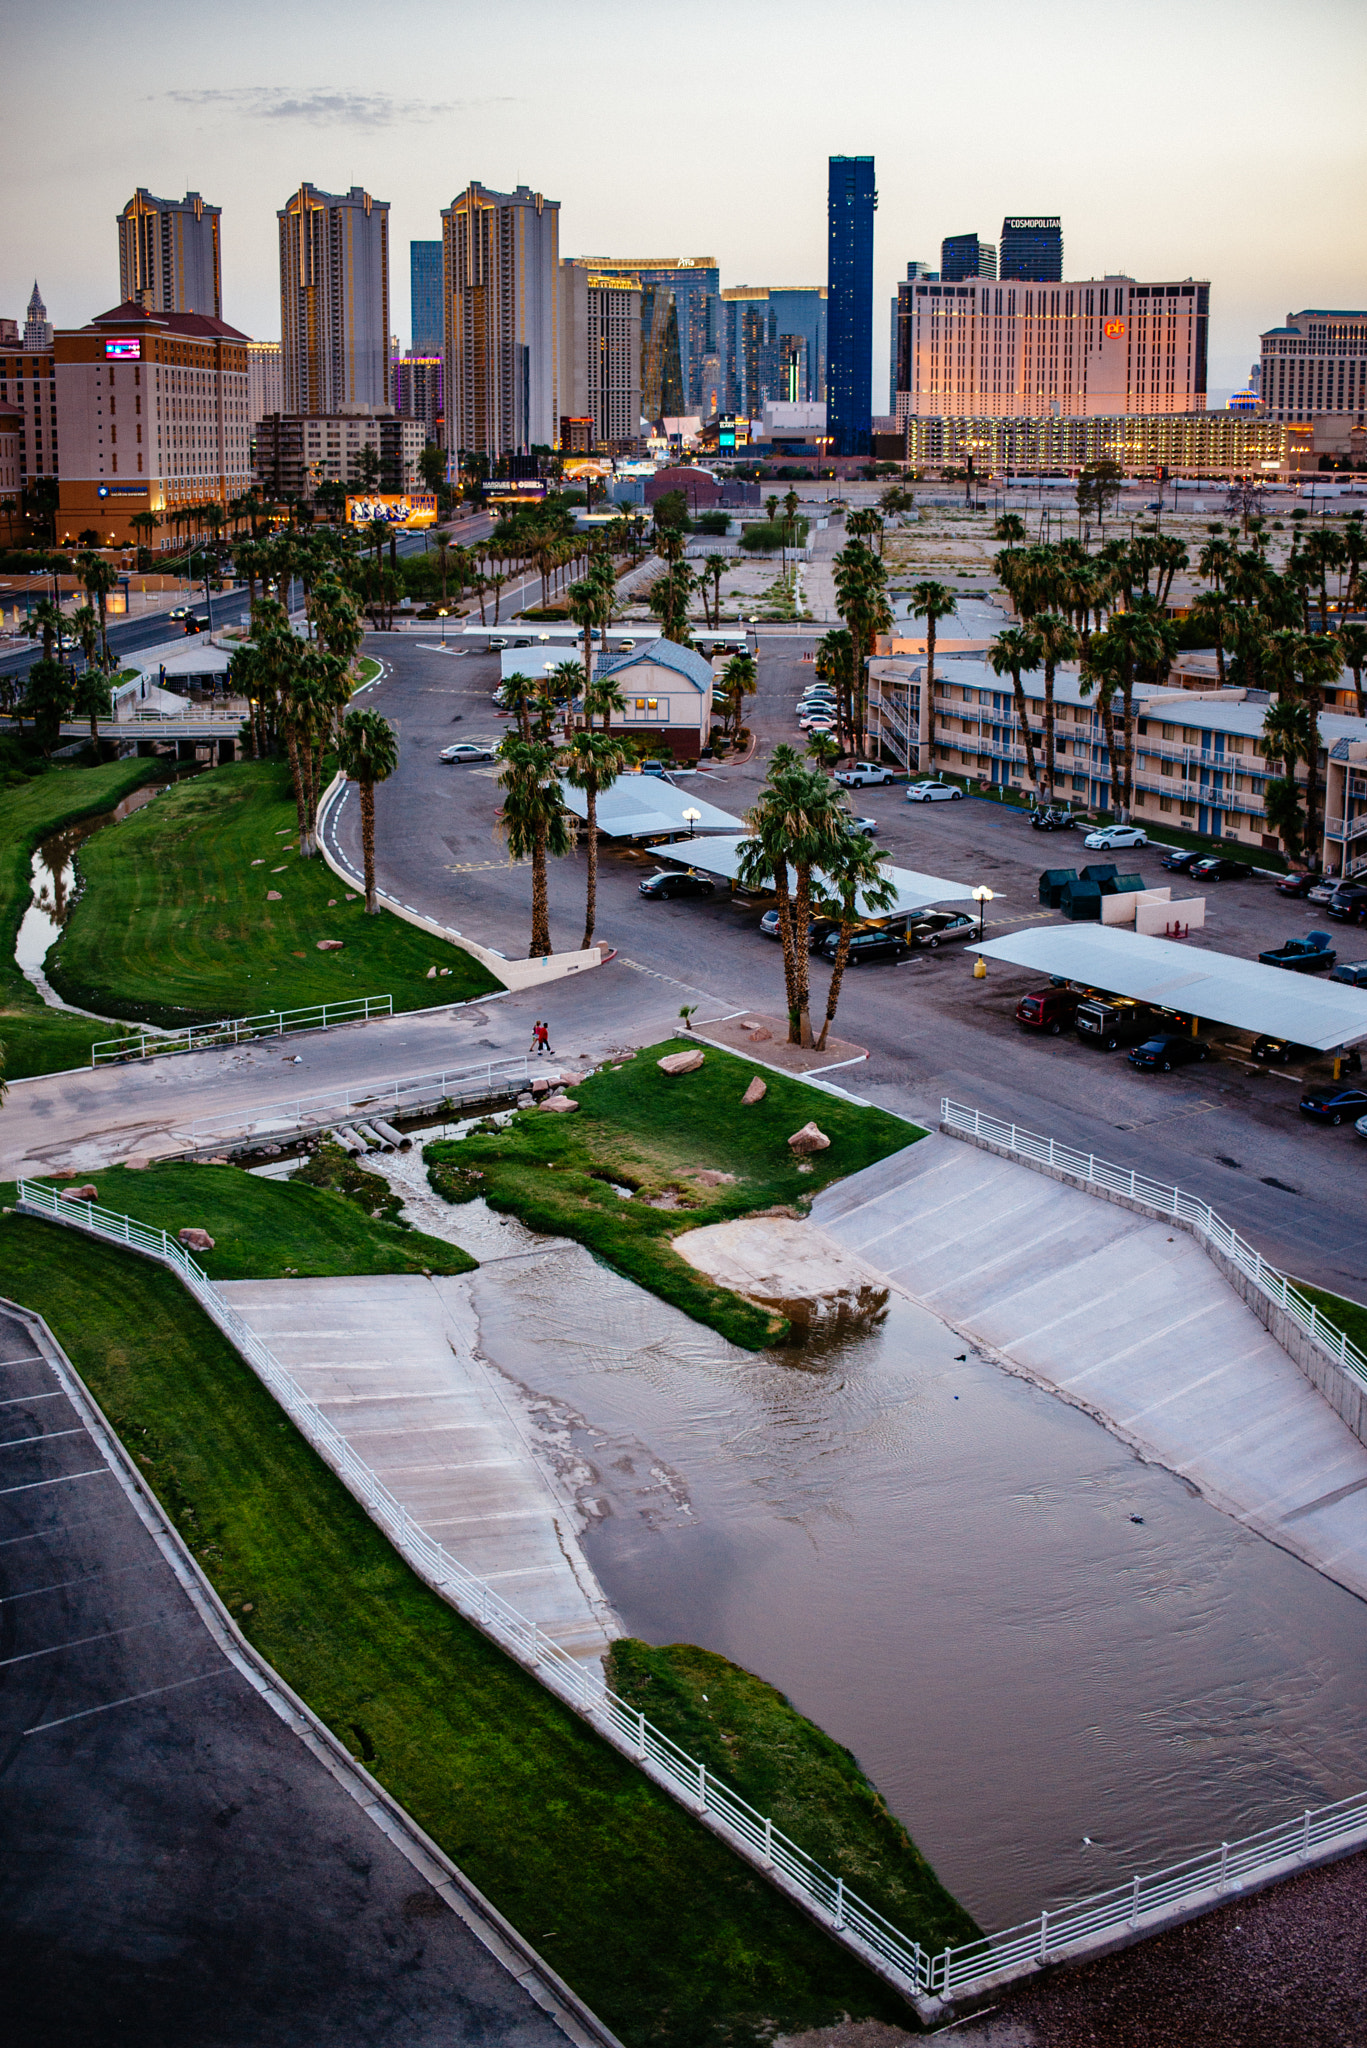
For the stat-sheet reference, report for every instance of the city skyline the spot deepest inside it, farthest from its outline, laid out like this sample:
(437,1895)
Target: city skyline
(1152,190)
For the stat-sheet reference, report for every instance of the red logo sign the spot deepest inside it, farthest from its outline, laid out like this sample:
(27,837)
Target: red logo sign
(1114,330)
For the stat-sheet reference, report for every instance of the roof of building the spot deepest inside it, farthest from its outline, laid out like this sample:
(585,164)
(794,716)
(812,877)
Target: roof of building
(640,806)
(722,856)
(683,661)
(198,326)
(1173,975)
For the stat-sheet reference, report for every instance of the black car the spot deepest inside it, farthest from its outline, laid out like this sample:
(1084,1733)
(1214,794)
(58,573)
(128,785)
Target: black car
(1110,1021)
(1353,972)
(1296,885)
(1348,903)
(1219,868)
(1167,1051)
(1338,1102)
(1053,819)
(1179,863)
(1277,1052)
(868,946)
(677,885)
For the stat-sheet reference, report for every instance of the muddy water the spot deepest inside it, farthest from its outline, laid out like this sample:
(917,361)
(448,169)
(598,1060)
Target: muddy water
(53,883)
(1026,1636)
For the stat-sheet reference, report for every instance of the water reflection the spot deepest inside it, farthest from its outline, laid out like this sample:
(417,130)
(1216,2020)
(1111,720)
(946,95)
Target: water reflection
(53,887)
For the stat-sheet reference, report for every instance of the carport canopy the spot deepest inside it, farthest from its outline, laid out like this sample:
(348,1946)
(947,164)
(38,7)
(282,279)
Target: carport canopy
(722,857)
(1172,975)
(638,806)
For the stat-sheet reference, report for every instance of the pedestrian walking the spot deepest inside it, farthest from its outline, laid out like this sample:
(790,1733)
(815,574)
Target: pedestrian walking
(542,1035)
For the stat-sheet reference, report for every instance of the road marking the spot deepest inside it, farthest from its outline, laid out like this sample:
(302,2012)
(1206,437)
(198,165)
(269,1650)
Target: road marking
(44,1436)
(55,1649)
(65,1480)
(479,867)
(16,1399)
(1171,1116)
(128,1700)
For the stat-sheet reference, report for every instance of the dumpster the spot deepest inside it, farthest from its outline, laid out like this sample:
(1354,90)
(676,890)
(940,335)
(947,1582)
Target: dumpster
(1103,873)
(1052,884)
(1080,901)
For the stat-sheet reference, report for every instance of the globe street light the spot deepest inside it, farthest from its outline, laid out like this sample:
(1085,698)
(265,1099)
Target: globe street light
(982,896)
(691,818)
(442,615)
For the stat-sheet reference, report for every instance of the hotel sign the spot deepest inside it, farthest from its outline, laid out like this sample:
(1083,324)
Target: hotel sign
(1034,220)
(124,351)
(1114,330)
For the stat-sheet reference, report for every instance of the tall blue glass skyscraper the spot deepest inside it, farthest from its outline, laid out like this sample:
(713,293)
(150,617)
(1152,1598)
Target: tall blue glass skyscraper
(849,304)
(425,276)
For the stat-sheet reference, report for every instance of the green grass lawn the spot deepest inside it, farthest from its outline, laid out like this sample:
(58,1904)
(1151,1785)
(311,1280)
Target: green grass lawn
(787,1767)
(1347,1315)
(643,1129)
(265,1229)
(672,1939)
(174,926)
(39,1040)
(367,670)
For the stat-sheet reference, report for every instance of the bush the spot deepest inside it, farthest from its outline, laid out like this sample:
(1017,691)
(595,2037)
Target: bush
(763,536)
(712,522)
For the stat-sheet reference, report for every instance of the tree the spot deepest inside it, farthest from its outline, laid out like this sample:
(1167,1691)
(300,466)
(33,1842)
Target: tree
(668,599)
(670,512)
(851,876)
(932,602)
(860,591)
(93,700)
(48,691)
(835,665)
(1058,642)
(367,753)
(1212,610)
(567,680)
(533,823)
(1286,740)
(432,468)
(592,762)
(1014,653)
(1097,488)
(365,469)
(796,820)
(590,603)
(740,679)
(144,524)
(1305,665)
(1353,648)
(713,571)
(1010,528)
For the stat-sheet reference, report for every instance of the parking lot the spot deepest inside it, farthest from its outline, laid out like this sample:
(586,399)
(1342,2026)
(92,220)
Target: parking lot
(1228,1129)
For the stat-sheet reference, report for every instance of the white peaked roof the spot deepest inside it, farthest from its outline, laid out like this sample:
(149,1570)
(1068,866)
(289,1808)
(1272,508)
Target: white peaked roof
(722,857)
(639,805)
(1308,1010)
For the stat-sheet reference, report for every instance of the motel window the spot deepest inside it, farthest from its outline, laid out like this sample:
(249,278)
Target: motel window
(1165,803)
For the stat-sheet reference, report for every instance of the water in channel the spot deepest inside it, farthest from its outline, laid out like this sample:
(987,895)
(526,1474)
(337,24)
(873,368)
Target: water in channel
(53,886)
(1058,1663)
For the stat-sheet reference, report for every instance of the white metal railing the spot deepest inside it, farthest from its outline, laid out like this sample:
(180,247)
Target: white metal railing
(862,1928)
(411,1092)
(187,714)
(232,1030)
(953,1972)
(1166,1201)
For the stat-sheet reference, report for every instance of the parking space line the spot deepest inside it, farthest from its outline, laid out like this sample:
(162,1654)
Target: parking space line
(63,1585)
(79,1644)
(16,1399)
(129,1699)
(66,1479)
(44,1436)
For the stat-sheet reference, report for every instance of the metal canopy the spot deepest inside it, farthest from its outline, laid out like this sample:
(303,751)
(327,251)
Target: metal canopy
(1175,976)
(638,806)
(721,857)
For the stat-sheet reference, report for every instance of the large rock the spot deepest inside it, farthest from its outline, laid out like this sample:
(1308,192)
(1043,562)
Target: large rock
(559,1103)
(789,1267)
(88,1193)
(194,1239)
(274,896)
(330,945)
(757,1091)
(680,1063)
(758,1034)
(809,1139)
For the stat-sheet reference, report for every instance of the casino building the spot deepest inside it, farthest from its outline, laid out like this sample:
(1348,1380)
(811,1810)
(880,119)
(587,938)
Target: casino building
(155,416)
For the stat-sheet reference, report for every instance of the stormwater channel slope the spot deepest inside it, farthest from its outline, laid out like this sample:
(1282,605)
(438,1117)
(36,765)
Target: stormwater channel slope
(1059,1663)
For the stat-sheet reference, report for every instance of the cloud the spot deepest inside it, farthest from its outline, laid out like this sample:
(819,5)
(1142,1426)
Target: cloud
(319,106)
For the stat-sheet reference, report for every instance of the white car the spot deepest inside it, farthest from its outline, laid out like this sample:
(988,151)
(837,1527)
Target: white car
(816,721)
(932,792)
(466,750)
(1110,836)
(815,704)
(863,773)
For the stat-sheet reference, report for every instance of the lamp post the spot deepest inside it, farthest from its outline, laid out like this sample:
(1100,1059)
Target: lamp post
(982,896)
(691,819)
(442,615)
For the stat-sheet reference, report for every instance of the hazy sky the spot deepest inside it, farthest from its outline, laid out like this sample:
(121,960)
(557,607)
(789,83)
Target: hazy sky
(1213,138)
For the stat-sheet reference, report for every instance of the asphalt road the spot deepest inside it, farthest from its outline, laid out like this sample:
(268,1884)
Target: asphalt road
(1227,1134)
(177,1865)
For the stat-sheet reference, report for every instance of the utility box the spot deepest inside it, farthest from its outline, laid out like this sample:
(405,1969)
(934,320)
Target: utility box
(1052,884)
(1081,901)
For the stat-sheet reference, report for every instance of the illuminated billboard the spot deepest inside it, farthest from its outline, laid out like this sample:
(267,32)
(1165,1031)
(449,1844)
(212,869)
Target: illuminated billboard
(127,351)
(522,490)
(407,508)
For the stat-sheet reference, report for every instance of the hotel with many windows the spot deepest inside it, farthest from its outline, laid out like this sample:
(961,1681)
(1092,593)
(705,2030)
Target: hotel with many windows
(1315,365)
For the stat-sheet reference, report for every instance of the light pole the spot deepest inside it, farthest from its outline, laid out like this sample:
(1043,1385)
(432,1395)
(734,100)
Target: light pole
(442,615)
(691,819)
(982,896)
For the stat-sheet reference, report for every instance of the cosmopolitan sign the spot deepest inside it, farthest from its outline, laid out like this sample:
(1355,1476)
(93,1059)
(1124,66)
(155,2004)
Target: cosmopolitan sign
(1034,220)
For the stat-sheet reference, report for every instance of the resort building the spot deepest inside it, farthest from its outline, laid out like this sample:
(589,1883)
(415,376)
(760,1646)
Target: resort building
(170,258)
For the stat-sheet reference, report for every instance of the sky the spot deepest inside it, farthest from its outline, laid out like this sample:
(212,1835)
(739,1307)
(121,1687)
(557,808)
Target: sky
(1218,139)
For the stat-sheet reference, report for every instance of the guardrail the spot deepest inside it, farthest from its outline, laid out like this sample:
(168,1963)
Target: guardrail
(1166,1201)
(416,1091)
(875,1940)
(232,1030)
(1143,1905)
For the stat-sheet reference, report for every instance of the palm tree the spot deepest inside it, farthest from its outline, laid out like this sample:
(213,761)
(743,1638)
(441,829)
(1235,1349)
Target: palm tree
(590,604)
(835,664)
(603,699)
(668,599)
(367,753)
(592,761)
(713,572)
(740,679)
(1353,648)
(517,693)
(1015,652)
(567,681)
(145,524)
(99,578)
(797,820)
(1058,642)
(1010,528)
(932,602)
(533,822)
(851,884)
(860,588)
(1286,739)
(1102,670)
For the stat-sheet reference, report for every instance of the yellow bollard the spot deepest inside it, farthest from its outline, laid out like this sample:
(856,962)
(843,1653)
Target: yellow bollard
(980,969)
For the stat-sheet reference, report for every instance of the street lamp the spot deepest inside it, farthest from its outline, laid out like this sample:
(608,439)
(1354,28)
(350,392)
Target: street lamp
(443,615)
(691,819)
(982,896)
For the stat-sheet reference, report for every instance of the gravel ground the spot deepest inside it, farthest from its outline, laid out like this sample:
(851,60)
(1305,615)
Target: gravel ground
(1285,1969)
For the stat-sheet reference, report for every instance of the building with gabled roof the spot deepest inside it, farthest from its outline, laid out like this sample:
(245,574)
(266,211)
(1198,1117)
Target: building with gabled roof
(667,692)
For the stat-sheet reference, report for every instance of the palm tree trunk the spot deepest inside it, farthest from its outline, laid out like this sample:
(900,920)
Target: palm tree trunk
(1314,704)
(842,954)
(1108,727)
(785,933)
(1128,711)
(591,881)
(368,846)
(1049,770)
(292,749)
(541,917)
(802,959)
(1023,720)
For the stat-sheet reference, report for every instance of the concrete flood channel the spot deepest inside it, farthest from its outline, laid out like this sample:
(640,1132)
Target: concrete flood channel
(1059,1663)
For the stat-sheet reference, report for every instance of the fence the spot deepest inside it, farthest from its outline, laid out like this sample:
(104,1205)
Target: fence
(232,1030)
(312,1112)
(1167,1201)
(1141,1906)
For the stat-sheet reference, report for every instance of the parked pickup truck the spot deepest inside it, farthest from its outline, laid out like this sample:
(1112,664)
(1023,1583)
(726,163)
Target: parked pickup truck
(1311,955)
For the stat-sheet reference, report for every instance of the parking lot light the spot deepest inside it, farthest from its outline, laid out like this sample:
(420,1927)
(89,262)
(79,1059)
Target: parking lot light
(982,896)
(691,818)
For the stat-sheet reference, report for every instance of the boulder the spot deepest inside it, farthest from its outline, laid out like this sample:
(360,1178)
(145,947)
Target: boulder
(88,1193)
(330,945)
(680,1063)
(274,896)
(758,1033)
(808,1139)
(757,1091)
(540,1085)
(559,1103)
(194,1239)
(431,974)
